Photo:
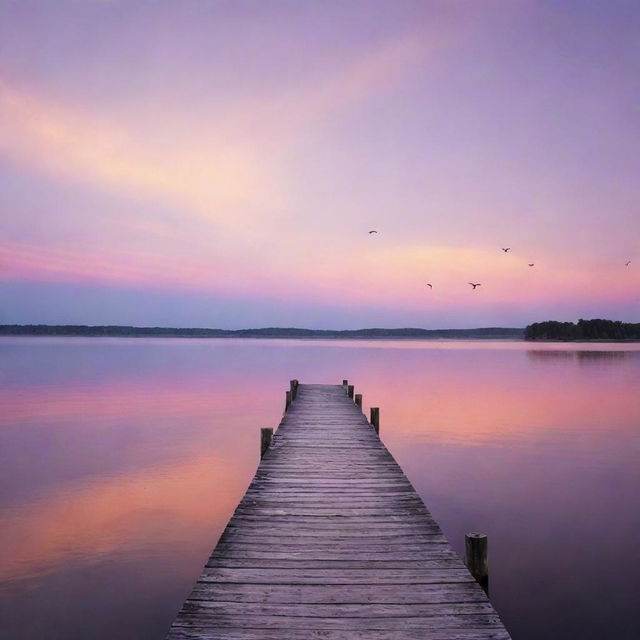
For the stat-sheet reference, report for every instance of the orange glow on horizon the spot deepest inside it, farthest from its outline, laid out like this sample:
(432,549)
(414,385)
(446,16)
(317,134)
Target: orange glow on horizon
(364,276)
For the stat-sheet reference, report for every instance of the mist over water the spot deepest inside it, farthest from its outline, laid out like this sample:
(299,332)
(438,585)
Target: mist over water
(121,461)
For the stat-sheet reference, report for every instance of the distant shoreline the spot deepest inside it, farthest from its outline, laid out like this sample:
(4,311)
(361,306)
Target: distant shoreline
(314,338)
(117,331)
(288,333)
(594,330)
(482,338)
(580,340)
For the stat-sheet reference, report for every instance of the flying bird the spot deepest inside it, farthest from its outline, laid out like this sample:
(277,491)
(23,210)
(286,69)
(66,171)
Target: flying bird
(506,249)
(475,284)
(627,263)
(372,231)
(429,285)
(532,264)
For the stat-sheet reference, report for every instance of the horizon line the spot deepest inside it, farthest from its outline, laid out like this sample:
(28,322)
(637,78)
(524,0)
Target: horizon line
(267,328)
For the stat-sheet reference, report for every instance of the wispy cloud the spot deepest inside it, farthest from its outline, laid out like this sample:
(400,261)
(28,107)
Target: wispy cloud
(76,146)
(224,167)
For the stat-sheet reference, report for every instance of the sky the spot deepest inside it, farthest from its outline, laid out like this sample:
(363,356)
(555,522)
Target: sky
(221,163)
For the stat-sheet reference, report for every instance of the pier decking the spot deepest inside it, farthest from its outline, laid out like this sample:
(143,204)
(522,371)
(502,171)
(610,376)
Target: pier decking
(331,541)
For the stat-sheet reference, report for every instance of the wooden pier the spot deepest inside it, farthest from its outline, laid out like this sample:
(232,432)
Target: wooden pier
(332,542)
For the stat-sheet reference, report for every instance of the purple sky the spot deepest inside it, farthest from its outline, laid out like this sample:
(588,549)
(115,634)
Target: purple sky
(220,163)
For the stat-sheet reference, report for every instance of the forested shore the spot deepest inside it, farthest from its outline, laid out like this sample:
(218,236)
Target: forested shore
(269,332)
(595,329)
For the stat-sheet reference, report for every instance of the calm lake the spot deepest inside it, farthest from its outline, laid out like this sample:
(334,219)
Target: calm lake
(121,461)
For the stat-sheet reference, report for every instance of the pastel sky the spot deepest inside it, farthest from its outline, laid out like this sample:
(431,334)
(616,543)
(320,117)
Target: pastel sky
(220,163)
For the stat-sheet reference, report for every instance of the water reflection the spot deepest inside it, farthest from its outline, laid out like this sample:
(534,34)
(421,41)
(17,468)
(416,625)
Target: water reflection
(121,461)
(581,355)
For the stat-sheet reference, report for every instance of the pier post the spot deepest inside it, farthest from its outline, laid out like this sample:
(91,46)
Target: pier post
(359,400)
(287,401)
(375,419)
(350,391)
(293,385)
(345,382)
(476,558)
(266,434)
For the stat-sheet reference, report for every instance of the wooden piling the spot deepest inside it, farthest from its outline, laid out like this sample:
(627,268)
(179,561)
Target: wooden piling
(359,400)
(293,386)
(266,434)
(476,557)
(375,419)
(350,391)
(345,382)
(287,401)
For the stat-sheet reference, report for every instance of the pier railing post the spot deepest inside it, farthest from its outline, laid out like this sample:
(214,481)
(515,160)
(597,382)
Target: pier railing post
(375,419)
(350,391)
(287,401)
(476,558)
(266,435)
(345,383)
(359,400)
(293,385)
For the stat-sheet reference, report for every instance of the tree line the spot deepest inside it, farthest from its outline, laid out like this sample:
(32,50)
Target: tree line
(595,329)
(269,332)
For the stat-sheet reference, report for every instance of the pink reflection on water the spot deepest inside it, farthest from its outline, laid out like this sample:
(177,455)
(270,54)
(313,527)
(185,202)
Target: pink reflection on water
(516,400)
(122,460)
(172,506)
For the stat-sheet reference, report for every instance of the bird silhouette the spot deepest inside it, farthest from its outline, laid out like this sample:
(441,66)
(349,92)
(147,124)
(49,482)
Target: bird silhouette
(506,249)
(531,264)
(429,285)
(475,284)
(627,263)
(372,231)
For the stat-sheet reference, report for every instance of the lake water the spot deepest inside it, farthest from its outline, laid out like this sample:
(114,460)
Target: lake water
(121,461)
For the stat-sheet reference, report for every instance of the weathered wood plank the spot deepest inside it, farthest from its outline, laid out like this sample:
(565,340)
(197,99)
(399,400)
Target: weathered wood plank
(189,631)
(217,618)
(341,563)
(328,543)
(315,610)
(397,539)
(346,528)
(336,576)
(337,594)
